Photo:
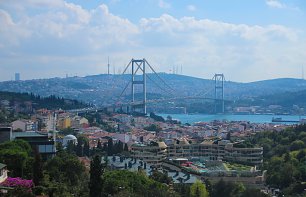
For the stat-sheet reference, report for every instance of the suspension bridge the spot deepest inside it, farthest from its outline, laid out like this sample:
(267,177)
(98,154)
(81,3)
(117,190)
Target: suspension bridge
(139,78)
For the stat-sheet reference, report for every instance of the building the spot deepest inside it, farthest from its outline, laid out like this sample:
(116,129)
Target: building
(70,138)
(3,172)
(42,142)
(64,123)
(215,150)
(135,165)
(153,153)
(5,134)
(24,125)
(17,76)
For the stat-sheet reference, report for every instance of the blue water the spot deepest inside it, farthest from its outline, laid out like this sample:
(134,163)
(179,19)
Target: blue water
(192,118)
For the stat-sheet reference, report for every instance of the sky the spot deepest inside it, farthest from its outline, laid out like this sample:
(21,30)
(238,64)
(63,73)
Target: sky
(245,40)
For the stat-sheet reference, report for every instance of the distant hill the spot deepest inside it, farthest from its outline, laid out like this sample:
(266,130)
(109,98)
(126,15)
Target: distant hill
(105,89)
(22,100)
(285,99)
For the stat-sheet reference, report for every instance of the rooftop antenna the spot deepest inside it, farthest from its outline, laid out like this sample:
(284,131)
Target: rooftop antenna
(108,65)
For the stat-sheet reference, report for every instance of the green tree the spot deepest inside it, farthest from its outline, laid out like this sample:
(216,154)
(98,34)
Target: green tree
(96,172)
(296,145)
(198,189)
(160,177)
(37,169)
(153,127)
(65,175)
(126,147)
(110,147)
(134,183)
(15,155)
(86,149)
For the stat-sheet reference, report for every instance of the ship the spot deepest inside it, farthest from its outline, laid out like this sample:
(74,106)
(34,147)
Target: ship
(281,120)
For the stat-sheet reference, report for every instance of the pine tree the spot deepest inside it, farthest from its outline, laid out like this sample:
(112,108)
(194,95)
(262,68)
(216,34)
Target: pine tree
(120,147)
(86,149)
(110,147)
(37,168)
(126,147)
(99,145)
(96,172)
(79,149)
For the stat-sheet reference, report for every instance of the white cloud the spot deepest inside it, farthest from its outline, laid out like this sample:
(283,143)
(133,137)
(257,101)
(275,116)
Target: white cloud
(163,4)
(275,4)
(191,8)
(279,5)
(77,39)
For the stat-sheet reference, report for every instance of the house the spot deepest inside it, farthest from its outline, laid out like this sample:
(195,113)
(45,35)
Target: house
(24,125)
(3,172)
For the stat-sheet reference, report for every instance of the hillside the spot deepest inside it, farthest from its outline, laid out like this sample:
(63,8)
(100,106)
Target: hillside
(26,102)
(105,89)
(285,99)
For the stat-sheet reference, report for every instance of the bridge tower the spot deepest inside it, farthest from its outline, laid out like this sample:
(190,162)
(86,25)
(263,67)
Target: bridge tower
(141,80)
(219,93)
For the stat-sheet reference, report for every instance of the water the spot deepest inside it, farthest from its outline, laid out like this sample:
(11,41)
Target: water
(192,118)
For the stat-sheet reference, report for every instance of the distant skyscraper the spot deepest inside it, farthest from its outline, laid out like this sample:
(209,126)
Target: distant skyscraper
(108,65)
(17,76)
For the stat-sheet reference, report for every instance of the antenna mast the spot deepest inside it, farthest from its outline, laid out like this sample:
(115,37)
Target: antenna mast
(108,65)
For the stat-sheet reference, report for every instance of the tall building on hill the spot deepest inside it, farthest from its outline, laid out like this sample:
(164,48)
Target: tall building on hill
(17,76)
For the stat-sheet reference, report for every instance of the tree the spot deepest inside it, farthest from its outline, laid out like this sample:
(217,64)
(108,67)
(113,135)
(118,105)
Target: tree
(110,147)
(153,127)
(228,135)
(137,184)
(296,145)
(86,149)
(65,174)
(99,145)
(126,147)
(37,169)
(301,155)
(160,177)
(70,147)
(15,155)
(118,148)
(79,150)
(96,172)
(198,189)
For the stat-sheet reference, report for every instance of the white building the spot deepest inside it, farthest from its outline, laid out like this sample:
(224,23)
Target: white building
(70,138)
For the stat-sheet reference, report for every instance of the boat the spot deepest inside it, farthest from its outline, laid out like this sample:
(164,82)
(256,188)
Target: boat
(281,120)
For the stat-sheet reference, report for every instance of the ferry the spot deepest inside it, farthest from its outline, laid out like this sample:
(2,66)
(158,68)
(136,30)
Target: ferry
(281,120)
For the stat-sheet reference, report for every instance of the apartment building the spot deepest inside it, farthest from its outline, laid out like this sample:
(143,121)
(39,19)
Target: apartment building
(153,153)
(215,150)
